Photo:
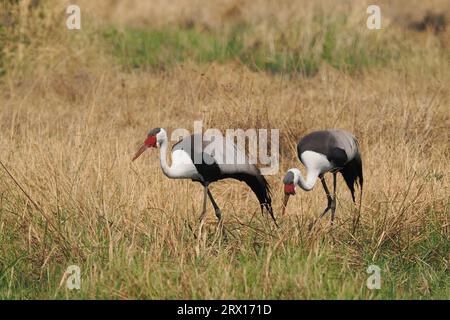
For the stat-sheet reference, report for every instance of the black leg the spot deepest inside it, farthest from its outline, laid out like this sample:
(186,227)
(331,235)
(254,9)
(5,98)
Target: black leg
(216,207)
(333,203)
(218,214)
(329,199)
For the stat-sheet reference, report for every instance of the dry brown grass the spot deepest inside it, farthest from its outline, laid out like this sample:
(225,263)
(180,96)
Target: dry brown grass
(70,124)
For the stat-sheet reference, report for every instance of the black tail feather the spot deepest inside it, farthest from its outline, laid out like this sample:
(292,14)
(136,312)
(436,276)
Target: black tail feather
(353,173)
(260,188)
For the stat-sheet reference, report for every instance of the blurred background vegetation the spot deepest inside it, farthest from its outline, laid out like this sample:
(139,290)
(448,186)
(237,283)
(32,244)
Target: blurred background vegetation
(290,37)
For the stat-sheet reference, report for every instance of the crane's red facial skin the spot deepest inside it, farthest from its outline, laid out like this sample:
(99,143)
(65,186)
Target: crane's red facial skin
(150,142)
(289,189)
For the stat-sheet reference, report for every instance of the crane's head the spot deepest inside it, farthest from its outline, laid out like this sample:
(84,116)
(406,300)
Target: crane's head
(154,138)
(290,180)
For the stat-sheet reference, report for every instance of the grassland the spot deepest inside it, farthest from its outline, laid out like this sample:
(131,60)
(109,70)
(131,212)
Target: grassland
(75,105)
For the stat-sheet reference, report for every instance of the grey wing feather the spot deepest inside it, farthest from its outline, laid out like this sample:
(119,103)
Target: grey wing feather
(224,153)
(327,141)
(346,141)
(232,159)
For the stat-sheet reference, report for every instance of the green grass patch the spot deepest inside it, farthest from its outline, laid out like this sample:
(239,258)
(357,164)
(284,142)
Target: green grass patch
(293,271)
(158,49)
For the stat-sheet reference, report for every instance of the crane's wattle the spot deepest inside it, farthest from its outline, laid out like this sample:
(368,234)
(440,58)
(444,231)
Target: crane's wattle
(289,188)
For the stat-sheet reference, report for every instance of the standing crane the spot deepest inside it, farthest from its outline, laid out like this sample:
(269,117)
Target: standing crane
(192,160)
(326,151)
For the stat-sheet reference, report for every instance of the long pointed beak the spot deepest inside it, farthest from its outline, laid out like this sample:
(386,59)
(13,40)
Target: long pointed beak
(285,201)
(140,151)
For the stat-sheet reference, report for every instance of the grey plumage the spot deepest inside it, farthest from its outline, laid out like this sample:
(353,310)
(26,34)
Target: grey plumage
(288,178)
(153,132)
(327,141)
(341,148)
